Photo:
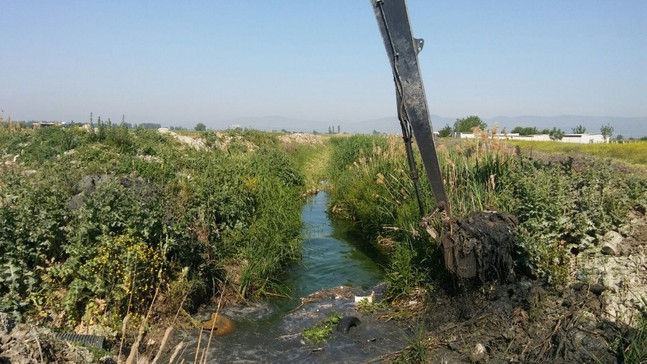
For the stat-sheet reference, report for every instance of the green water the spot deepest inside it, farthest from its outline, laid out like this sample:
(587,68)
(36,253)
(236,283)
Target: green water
(271,331)
(332,255)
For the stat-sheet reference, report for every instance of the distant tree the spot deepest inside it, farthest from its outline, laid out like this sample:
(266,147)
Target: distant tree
(200,127)
(644,138)
(579,129)
(468,124)
(621,137)
(445,132)
(607,131)
(529,130)
(338,129)
(315,132)
(556,134)
(149,126)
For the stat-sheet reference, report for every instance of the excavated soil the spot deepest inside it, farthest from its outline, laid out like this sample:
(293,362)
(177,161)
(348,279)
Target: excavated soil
(592,320)
(522,322)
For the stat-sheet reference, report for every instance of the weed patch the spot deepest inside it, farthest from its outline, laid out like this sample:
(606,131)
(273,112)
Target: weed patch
(93,219)
(322,331)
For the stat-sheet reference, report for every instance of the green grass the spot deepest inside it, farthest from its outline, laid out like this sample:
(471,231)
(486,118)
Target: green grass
(636,351)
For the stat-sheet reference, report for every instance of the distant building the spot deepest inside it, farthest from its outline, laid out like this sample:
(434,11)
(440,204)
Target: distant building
(43,124)
(461,135)
(533,138)
(568,138)
(584,138)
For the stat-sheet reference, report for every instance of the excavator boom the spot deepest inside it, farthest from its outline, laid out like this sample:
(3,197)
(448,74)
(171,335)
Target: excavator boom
(402,49)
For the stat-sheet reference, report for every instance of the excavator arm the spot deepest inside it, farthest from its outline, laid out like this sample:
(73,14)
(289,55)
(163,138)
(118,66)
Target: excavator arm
(402,50)
(479,245)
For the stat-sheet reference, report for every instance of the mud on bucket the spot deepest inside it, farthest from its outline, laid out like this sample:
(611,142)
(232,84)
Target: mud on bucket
(480,246)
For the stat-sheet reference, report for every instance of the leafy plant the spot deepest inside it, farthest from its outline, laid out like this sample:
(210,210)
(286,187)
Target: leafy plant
(322,331)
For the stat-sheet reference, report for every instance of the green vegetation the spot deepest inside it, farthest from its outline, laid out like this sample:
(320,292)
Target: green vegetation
(579,129)
(416,351)
(560,208)
(445,132)
(529,130)
(95,221)
(636,352)
(555,133)
(607,131)
(466,125)
(322,331)
(632,153)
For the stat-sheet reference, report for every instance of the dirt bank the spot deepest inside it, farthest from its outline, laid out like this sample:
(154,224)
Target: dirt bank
(591,320)
(27,344)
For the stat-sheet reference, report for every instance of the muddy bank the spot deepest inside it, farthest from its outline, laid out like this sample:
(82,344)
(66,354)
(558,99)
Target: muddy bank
(520,322)
(591,320)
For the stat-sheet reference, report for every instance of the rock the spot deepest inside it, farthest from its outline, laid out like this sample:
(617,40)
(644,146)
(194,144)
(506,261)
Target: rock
(6,323)
(219,324)
(612,240)
(107,360)
(478,353)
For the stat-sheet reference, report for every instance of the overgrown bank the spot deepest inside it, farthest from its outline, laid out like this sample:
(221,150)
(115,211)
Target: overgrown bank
(565,207)
(100,224)
(562,205)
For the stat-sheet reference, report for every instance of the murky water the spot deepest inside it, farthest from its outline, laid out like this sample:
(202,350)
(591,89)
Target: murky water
(271,331)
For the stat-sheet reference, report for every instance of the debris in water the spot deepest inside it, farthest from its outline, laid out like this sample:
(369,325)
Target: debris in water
(219,324)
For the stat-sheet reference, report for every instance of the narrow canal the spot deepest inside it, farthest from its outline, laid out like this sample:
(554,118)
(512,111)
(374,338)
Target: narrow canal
(271,331)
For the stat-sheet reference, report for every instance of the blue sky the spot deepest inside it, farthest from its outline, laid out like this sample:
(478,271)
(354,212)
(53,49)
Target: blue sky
(180,63)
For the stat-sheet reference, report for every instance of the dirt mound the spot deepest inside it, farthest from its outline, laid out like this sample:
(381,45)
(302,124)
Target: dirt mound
(521,322)
(194,143)
(300,138)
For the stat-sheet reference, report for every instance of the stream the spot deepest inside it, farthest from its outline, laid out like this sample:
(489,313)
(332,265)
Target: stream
(271,331)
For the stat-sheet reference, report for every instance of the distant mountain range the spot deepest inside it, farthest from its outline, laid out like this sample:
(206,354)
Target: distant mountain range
(628,127)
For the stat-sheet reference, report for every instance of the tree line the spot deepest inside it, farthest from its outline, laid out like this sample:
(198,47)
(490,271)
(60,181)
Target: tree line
(468,124)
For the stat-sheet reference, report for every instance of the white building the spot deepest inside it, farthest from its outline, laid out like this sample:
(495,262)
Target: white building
(533,138)
(568,138)
(584,138)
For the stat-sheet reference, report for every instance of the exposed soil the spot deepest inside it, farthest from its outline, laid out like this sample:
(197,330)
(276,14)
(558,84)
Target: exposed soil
(27,344)
(519,322)
(525,321)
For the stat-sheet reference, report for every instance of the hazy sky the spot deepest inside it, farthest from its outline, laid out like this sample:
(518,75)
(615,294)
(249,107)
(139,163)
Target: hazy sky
(183,62)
